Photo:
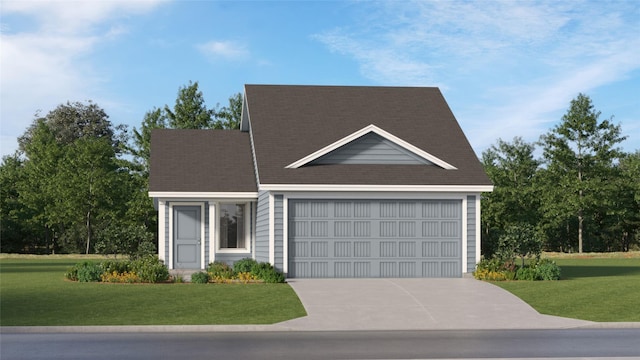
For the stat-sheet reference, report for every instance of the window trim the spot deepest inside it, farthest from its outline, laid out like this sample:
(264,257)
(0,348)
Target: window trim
(247,229)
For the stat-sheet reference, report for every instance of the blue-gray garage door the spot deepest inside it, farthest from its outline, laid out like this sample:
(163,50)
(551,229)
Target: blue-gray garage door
(375,238)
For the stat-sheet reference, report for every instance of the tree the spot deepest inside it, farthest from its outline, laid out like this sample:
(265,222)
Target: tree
(71,173)
(14,230)
(620,219)
(87,184)
(72,121)
(512,168)
(579,155)
(189,111)
(229,117)
(141,149)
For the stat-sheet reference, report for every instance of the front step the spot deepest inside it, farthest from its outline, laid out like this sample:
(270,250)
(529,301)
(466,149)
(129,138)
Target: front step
(185,274)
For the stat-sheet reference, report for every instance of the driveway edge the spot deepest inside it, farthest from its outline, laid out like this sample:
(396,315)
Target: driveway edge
(248,328)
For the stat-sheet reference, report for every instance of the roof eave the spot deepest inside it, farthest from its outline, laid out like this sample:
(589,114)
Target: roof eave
(378,188)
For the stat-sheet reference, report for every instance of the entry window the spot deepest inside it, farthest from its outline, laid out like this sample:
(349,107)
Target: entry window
(232,226)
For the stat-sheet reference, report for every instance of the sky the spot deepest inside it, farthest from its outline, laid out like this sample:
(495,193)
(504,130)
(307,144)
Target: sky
(506,68)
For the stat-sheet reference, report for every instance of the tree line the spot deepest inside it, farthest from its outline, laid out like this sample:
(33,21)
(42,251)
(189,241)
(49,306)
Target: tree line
(79,184)
(575,186)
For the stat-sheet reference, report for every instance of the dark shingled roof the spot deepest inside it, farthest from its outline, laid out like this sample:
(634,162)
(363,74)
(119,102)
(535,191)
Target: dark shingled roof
(201,161)
(291,122)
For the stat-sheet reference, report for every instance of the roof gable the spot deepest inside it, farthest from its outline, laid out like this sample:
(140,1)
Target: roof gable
(370,145)
(293,125)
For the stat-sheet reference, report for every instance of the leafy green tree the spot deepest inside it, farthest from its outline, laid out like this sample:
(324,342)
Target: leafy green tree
(87,184)
(71,121)
(522,241)
(37,189)
(512,168)
(141,149)
(190,111)
(620,215)
(579,155)
(14,232)
(72,178)
(229,116)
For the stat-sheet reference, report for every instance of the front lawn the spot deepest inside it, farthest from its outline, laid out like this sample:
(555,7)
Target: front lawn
(602,288)
(33,292)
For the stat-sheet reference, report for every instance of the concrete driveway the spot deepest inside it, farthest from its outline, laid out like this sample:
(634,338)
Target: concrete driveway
(414,304)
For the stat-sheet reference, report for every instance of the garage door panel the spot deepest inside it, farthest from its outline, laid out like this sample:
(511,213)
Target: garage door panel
(407,249)
(319,249)
(319,229)
(342,249)
(362,249)
(362,238)
(343,269)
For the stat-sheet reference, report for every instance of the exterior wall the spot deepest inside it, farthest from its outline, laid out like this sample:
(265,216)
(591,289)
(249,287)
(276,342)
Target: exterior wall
(471,233)
(371,149)
(269,230)
(262,228)
(210,252)
(278,232)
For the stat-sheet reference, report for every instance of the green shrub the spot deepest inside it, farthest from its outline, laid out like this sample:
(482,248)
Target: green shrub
(267,273)
(493,264)
(547,269)
(526,273)
(220,270)
(200,277)
(120,267)
(150,269)
(244,265)
(72,273)
(89,272)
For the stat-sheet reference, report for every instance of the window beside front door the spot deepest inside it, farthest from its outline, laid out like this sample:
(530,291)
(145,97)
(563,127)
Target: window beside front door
(232,226)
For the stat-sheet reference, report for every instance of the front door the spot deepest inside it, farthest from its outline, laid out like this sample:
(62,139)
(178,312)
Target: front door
(186,237)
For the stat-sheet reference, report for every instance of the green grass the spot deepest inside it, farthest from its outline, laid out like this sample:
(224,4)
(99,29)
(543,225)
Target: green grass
(33,292)
(597,288)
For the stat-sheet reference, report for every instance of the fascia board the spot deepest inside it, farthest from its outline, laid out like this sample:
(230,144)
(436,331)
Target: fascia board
(378,188)
(368,129)
(203,195)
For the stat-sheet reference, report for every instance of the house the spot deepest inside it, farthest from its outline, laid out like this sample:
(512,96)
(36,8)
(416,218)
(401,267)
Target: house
(323,181)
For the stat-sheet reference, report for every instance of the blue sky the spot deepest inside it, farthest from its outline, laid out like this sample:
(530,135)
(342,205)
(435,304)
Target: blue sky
(506,68)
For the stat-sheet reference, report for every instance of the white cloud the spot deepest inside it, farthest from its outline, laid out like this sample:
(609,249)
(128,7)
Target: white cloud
(44,45)
(227,50)
(509,66)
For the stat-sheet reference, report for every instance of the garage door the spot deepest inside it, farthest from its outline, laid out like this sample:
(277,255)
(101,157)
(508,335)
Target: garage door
(375,238)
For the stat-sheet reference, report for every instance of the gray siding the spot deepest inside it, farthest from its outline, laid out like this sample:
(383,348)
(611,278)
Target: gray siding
(471,233)
(230,258)
(279,232)
(371,149)
(262,227)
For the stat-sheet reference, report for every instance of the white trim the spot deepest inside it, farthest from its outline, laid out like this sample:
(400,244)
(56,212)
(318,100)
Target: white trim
(272,235)
(212,231)
(161,230)
(464,235)
(285,234)
(366,130)
(254,222)
(202,234)
(478,228)
(203,195)
(378,188)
